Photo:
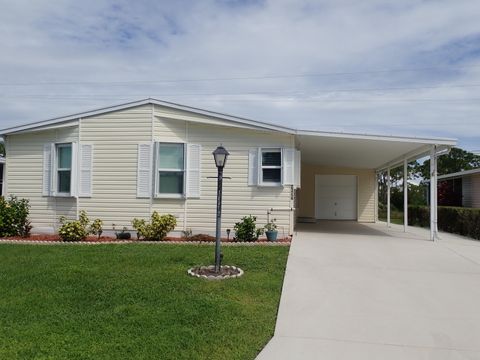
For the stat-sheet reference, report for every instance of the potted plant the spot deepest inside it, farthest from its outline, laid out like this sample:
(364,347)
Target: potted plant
(271,231)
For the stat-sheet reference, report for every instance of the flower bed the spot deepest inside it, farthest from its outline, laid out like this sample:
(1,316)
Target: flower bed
(196,239)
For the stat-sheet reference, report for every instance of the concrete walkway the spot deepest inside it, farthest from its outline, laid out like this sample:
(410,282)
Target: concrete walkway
(355,291)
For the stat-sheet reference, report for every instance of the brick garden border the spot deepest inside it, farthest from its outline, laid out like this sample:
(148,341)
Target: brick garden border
(180,242)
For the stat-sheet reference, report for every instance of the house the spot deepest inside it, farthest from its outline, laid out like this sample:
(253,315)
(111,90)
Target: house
(126,161)
(2,174)
(460,189)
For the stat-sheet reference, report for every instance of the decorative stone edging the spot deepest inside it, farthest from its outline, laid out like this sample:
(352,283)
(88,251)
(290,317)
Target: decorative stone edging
(196,243)
(191,272)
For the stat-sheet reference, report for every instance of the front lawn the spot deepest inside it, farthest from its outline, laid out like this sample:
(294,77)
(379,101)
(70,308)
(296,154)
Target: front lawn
(135,301)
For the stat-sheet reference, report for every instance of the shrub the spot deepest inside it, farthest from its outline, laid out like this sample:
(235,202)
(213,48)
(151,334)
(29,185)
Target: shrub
(457,220)
(97,228)
(14,217)
(78,230)
(246,229)
(156,229)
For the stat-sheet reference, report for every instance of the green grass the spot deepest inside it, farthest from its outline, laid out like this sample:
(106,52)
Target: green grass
(135,301)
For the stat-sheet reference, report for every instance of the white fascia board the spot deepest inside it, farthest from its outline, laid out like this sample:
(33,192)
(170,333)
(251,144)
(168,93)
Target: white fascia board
(71,123)
(413,155)
(221,116)
(71,117)
(419,140)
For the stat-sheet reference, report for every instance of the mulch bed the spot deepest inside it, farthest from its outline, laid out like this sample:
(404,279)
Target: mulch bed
(208,272)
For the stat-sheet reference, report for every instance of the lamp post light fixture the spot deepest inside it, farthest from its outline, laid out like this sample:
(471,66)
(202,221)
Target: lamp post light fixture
(220,154)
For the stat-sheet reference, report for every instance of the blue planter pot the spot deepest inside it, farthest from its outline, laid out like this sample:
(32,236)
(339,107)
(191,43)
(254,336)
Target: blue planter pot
(271,235)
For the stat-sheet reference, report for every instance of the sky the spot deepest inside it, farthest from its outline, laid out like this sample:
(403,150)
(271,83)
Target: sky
(405,67)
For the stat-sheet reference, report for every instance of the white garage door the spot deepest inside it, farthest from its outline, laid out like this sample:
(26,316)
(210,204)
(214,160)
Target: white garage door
(336,197)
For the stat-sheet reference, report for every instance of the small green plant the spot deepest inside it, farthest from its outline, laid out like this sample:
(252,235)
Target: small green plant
(78,230)
(246,229)
(271,226)
(14,217)
(156,229)
(97,228)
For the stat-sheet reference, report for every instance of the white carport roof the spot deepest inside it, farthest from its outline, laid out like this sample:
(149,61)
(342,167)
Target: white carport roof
(362,151)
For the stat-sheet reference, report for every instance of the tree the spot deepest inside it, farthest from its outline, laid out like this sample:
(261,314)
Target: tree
(2,149)
(456,160)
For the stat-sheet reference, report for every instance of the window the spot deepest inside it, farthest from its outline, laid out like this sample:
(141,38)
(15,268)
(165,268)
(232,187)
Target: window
(271,166)
(171,169)
(64,168)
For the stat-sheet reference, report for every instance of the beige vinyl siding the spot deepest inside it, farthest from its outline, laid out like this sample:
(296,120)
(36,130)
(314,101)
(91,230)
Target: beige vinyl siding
(24,175)
(471,191)
(115,137)
(239,199)
(366,190)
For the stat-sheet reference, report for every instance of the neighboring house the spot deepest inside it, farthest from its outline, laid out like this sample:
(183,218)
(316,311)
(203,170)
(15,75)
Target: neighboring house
(126,161)
(2,174)
(460,189)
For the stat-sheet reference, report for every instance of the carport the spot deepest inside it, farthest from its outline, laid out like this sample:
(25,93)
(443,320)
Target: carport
(339,173)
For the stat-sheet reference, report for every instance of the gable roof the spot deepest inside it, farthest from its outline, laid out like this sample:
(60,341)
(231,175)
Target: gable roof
(71,119)
(105,110)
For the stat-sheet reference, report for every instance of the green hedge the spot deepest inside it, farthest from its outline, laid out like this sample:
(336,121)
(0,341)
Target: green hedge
(456,220)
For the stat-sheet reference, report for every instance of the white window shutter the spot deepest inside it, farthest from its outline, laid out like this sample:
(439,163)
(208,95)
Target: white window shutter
(74,174)
(253,166)
(194,159)
(47,170)
(288,167)
(144,171)
(85,170)
(298,169)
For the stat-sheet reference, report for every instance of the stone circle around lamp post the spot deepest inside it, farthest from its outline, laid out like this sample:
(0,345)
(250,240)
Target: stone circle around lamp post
(208,272)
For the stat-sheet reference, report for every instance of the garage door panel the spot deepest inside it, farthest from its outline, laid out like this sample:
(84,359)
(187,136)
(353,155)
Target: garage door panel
(336,197)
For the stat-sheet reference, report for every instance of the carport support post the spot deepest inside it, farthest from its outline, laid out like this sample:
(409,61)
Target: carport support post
(405,195)
(388,196)
(433,192)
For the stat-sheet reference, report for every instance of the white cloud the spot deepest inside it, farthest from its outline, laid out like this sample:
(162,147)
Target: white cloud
(70,56)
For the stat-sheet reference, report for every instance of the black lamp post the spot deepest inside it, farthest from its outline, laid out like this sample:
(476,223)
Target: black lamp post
(220,155)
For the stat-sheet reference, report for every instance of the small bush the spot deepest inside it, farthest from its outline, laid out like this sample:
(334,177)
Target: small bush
(156,229)
(96,228)
(246,229)
(78,230)
(14,217)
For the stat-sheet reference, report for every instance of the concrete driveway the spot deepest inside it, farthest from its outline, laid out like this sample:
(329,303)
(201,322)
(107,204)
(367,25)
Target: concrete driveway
(354,291)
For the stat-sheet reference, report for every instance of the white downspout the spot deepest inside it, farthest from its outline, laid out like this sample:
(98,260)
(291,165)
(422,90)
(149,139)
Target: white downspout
(405,195)
(433,193)
(388,196)
(376,198)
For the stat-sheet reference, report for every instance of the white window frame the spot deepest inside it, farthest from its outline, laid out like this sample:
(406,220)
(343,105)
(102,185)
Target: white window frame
(159,169)
(57,170)
(261,167)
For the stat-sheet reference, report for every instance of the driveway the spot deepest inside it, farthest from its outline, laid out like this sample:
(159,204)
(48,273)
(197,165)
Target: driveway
(355,291)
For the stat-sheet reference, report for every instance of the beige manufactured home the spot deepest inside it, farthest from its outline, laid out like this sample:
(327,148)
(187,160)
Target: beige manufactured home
(126,161)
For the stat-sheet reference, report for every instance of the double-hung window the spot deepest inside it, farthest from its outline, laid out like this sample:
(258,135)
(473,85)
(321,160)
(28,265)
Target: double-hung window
(171,170)
(271,166)
(64,168)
